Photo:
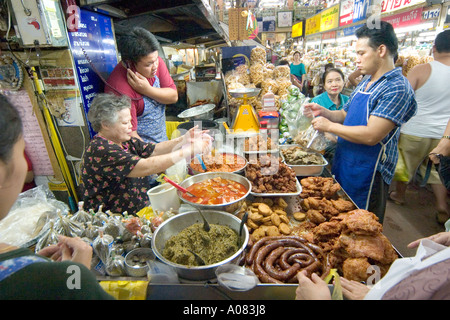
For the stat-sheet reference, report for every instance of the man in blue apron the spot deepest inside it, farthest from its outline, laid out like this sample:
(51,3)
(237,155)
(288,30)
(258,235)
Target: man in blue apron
(367,126)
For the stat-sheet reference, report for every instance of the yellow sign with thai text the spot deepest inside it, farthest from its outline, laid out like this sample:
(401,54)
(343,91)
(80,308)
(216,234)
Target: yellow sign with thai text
(297,30)
(329,18)
(312,25)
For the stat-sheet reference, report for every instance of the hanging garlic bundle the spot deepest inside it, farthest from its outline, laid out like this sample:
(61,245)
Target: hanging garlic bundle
(48,238)
(81,216)
(67,227)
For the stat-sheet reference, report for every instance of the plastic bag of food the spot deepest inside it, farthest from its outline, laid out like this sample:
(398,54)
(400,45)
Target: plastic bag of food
(320,140)
(66,227)
(28,218)
(115,266)
(102,246)
(49,237)
(236,278)
(81,216)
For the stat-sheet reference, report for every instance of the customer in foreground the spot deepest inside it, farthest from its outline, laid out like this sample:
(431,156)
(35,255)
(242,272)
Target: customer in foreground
(23,274)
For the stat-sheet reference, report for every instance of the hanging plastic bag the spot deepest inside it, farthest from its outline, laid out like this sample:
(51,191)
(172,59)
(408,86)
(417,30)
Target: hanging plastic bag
(315,140)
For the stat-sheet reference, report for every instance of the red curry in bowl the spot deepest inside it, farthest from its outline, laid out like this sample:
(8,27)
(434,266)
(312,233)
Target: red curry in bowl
(215,191)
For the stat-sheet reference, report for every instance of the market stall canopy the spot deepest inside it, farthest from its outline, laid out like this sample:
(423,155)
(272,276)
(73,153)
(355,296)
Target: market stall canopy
(171,21)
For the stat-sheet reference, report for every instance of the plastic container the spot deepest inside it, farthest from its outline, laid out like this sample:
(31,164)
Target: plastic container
(161,273)
(236,278)
(163,198)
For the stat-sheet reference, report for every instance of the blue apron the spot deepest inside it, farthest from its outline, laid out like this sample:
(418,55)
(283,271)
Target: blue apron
(355,164)
(152,122)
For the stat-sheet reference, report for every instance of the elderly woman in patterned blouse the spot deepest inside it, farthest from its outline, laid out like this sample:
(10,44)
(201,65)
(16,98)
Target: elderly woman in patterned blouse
(115,165)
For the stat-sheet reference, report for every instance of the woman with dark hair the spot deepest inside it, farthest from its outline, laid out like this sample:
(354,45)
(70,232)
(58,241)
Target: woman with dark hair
(23,274)
(298,71)
(143,76)
(333,80)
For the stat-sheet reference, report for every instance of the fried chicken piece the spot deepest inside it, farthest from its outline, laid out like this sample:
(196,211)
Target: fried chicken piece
(315,216)
(343,205)
(327,230)
(327,208)
(376,247)
(319,187)
(362,222)
(356,269)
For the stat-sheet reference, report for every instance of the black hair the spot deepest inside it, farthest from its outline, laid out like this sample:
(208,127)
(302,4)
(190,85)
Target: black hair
(328,66)
(137,44)
(442,41)
(324,75)
(283,62)
(385,35)
(296,53)
(11,128)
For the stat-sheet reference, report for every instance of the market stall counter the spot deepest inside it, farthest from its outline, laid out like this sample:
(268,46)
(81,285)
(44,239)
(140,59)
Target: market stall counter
(324,233)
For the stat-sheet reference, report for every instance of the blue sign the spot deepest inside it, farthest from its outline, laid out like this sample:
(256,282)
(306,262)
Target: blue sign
(360,10)
(94,53)
(351,30)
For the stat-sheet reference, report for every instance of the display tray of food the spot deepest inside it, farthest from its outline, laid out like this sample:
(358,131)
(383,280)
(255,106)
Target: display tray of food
(317,231)
(219,162)
(302,161)
(270,177)
(257,144)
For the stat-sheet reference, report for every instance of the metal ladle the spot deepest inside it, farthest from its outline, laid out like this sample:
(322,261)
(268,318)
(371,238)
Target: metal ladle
(206,226)
(243,221)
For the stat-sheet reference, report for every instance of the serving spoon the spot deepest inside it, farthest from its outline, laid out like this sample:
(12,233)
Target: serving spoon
(206,226)
(243,221)
(199,259)
(176,185)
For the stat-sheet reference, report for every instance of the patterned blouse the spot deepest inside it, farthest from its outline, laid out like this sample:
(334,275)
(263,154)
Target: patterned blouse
(104,180)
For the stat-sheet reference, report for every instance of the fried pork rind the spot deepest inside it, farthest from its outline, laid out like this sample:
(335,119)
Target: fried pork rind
(258,55)
(256,73)
(282,72)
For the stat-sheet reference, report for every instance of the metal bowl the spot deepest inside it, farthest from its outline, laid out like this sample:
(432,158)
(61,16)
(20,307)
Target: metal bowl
(230,207)
(135,270)
(241,92)
(179,222)
(205,111)
(239,171)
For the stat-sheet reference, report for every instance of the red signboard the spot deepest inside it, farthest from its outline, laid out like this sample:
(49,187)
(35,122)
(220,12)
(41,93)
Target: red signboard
(405,19)
(329,35)
(346,12)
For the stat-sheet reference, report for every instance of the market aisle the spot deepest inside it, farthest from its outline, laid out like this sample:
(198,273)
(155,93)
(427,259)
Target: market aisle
(415,219)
